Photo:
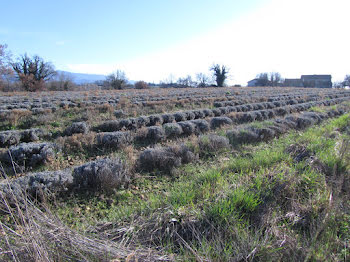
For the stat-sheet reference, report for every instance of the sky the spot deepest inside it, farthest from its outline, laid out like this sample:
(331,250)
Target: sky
(152,40)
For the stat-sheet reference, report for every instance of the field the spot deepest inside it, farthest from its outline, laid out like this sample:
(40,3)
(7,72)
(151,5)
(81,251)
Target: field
(212,174)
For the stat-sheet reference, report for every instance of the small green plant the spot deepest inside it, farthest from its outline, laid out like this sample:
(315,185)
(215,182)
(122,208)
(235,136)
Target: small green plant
(55,124)
(238,204)
(317,109)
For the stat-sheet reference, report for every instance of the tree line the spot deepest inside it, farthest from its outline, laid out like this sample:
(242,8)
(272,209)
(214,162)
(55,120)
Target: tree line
(33,73)
(269,79)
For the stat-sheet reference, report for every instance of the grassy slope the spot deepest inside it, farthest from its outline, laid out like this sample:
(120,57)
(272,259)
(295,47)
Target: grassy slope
(262,203)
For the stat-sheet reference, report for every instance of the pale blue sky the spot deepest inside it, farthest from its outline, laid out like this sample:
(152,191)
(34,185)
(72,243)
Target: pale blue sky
(108,31)
(151,39)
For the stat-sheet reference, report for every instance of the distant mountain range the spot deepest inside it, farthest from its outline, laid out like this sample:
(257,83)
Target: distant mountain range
(79,78)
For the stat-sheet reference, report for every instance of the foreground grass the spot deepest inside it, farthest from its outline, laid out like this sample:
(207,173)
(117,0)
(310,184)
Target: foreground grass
(283,201)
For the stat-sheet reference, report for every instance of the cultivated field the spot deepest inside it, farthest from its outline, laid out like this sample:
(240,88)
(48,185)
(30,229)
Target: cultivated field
(212,174)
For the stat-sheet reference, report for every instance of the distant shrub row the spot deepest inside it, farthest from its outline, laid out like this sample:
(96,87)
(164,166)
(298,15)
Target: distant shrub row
(280,108)
(110,174)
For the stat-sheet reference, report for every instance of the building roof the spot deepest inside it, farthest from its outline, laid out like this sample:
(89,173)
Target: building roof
(292,79)
(316,77)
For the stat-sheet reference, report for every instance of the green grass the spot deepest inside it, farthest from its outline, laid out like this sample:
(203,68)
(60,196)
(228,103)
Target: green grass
(250,202)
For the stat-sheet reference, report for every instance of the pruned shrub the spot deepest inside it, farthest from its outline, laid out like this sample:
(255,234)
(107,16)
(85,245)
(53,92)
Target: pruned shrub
(264,114)
(247,117)
(224,110)
(164,159)
(155,134)
(190,115)
(172,130)
(104,174)
(180,116)
(77,128)
(258,116)
(241,136)
(216,112)
(14,137)
(211,144)
(119,113)
(202,125)
(30,155)
(141,121)
(32,135)
(217,122)
(279,128)
(116,140)
(198,114)
(265,133)
(188,127)
(155,120)
(34,184)
(304,122)
(168,118)
(109,126)
(208,112)
(125,123)
(8,138)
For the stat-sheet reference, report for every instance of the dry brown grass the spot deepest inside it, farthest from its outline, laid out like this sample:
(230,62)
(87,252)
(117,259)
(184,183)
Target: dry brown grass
(77,143)
(31,232)
(105,108)
(16,115)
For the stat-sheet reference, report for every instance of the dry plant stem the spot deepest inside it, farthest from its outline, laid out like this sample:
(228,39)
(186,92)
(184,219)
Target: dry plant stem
(36,229)
(334,201)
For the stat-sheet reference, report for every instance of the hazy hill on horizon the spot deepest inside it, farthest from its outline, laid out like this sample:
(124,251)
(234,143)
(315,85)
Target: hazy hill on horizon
(81,78)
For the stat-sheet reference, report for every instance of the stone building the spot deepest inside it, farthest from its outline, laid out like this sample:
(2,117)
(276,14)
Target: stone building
(253,82)
(293,82)
(319,81)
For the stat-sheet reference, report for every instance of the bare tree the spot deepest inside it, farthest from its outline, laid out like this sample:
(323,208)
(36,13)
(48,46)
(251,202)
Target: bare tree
(269,79)
(338,84)
(275,79)
(202,80)
(263,79)
(346,80)
(220,73)
(33,72)
(6,72)
(62,82)
(168,82)
(117,80)
(186,82)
